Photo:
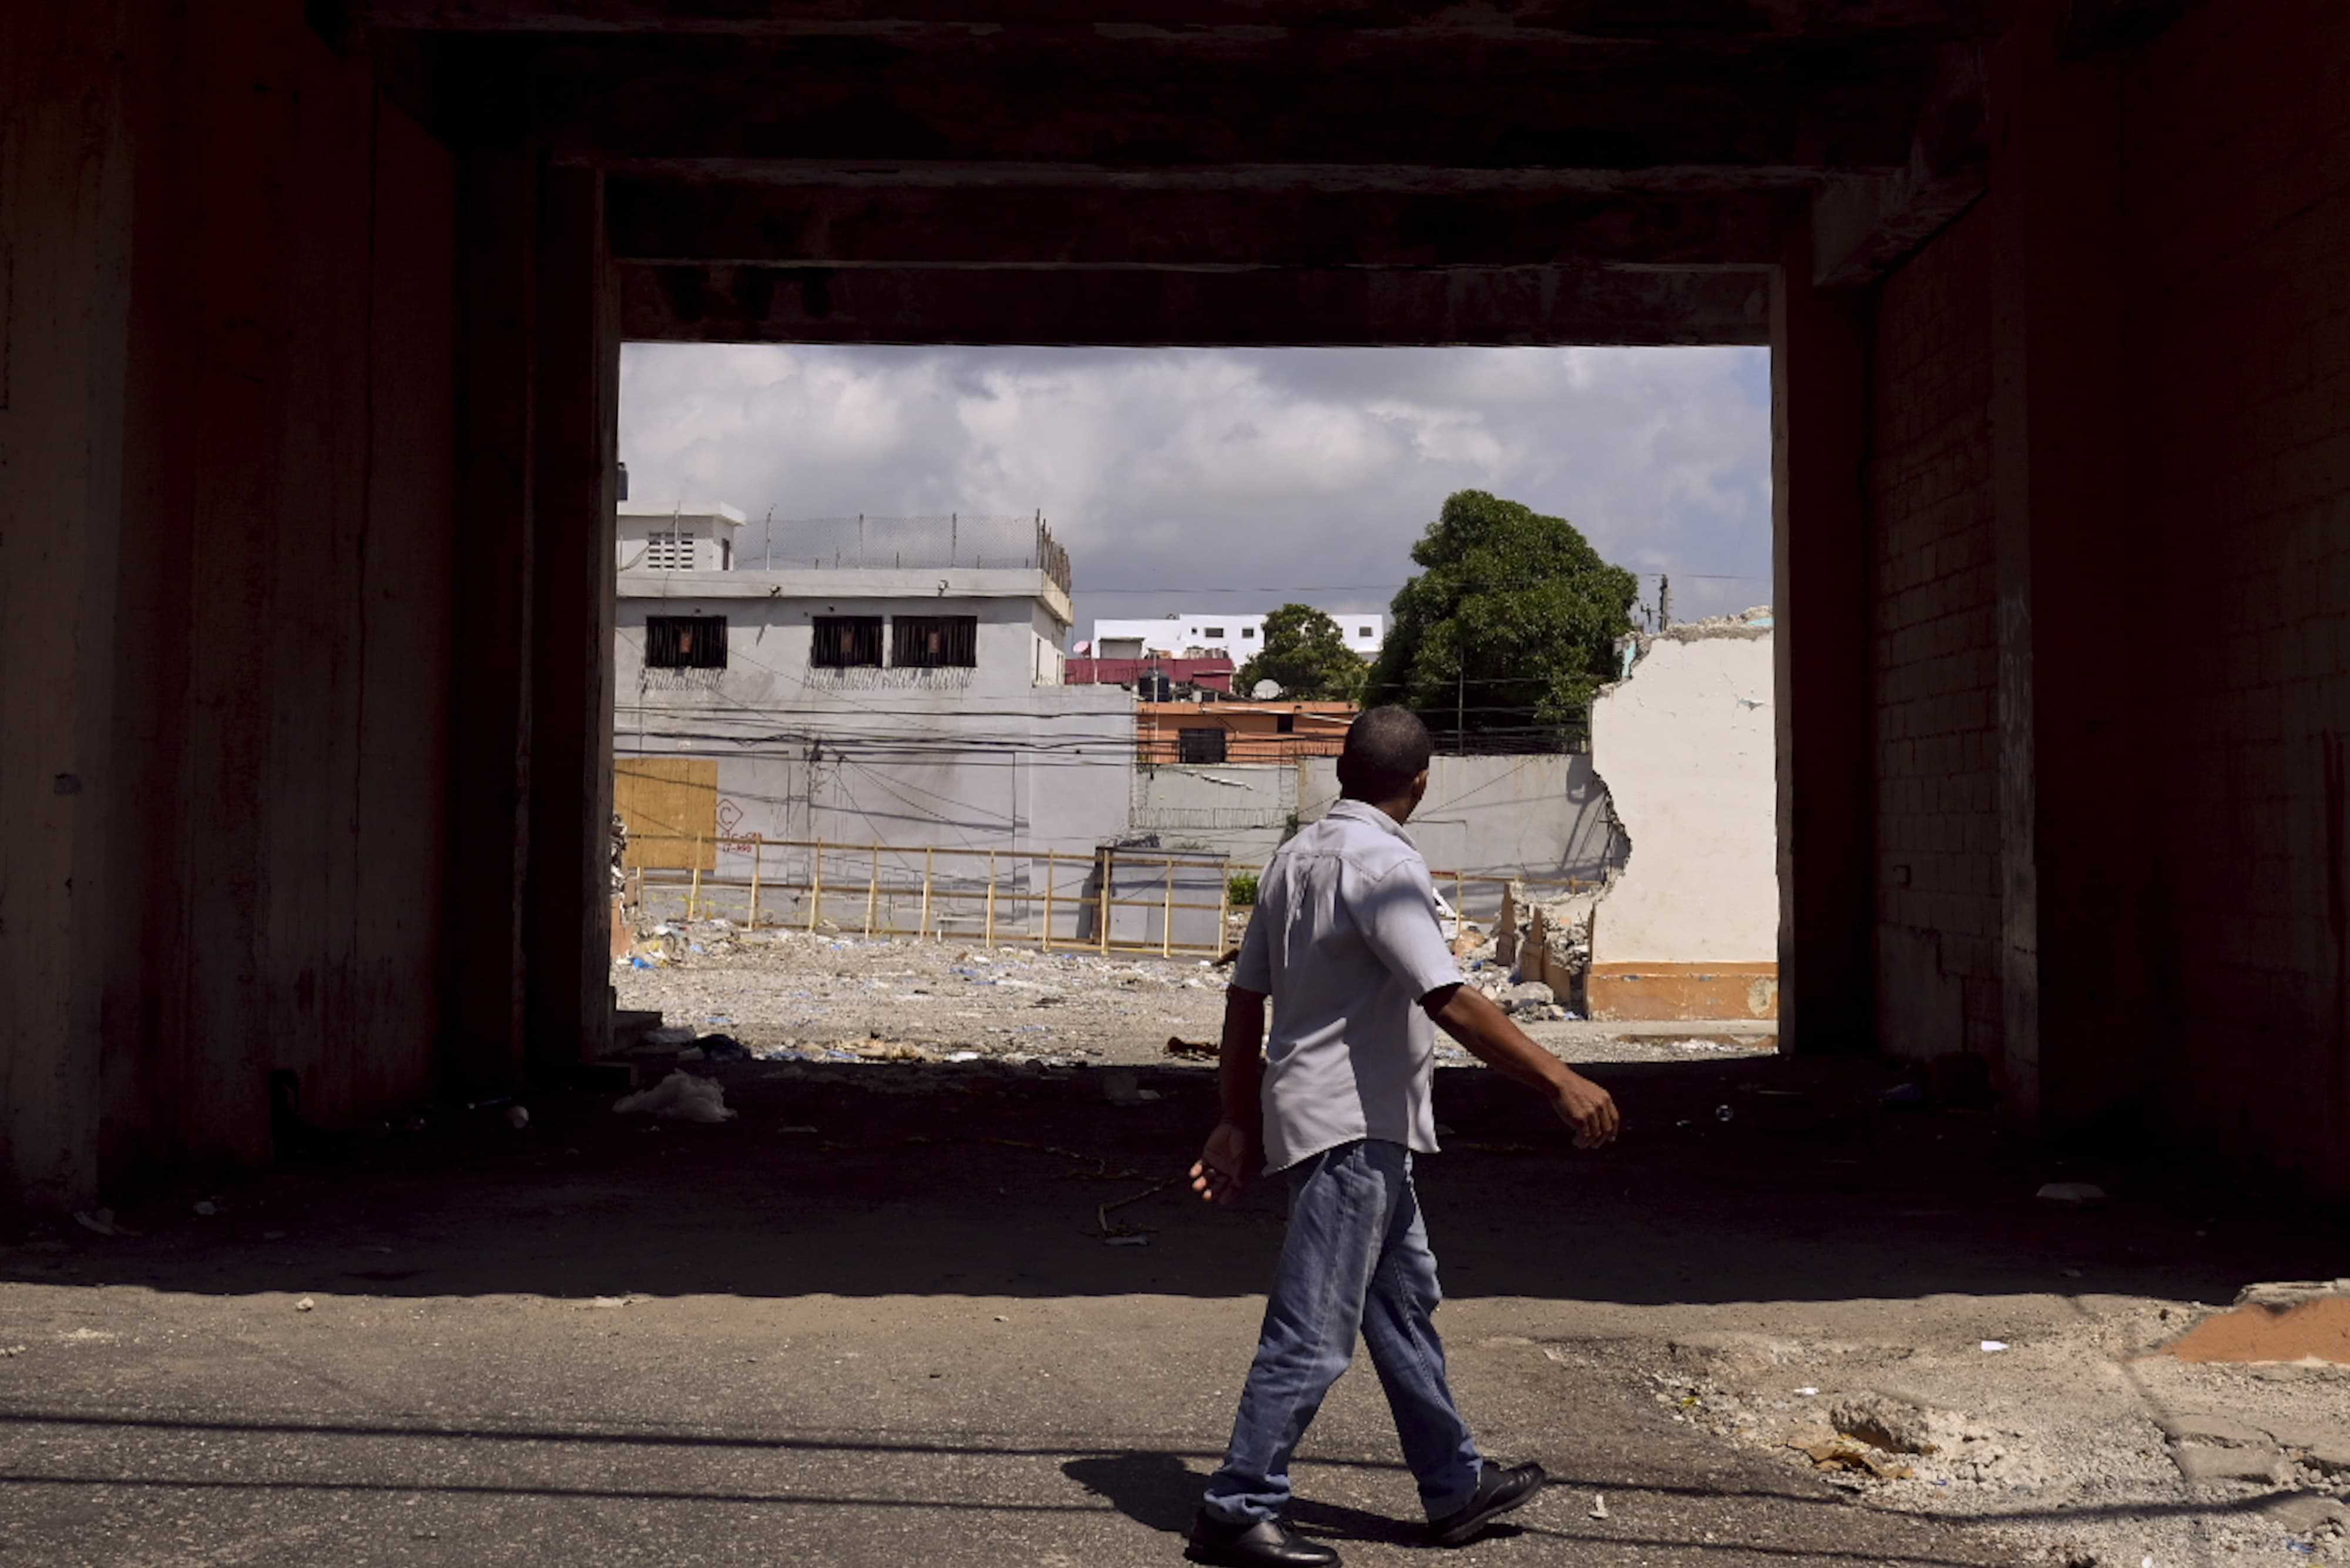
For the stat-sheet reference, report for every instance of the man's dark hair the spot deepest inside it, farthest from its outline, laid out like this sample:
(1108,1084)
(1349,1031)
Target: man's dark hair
(1386,748)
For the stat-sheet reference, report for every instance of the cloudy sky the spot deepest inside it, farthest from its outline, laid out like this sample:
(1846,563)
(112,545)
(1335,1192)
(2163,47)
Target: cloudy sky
(1233,479)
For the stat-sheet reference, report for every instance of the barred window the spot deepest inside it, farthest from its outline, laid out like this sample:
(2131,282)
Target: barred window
(685,642)
(1200,745)
(846,641)
(935,642)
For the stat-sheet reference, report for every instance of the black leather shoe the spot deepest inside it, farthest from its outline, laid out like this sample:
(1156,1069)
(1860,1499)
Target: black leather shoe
(1267,1543)
(1498,1491)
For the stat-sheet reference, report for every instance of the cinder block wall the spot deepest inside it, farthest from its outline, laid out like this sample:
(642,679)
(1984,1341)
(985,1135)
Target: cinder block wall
(2183,974)
(2238,182)
(1936,653)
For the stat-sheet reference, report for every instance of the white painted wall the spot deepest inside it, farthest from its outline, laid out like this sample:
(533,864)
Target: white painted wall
(1687,748)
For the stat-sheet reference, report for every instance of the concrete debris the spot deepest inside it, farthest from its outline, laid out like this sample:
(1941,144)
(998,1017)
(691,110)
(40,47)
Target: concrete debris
(676,1035)
(2072,1192)
(1599,1505)
(1892,1424)
(305,1304)
(681,1097)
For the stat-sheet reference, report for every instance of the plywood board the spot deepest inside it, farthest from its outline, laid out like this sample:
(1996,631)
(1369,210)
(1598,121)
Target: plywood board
(670,807)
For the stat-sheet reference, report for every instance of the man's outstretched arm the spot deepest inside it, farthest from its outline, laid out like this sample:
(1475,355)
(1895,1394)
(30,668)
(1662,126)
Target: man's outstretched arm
(1236,1148)
(1486,1033)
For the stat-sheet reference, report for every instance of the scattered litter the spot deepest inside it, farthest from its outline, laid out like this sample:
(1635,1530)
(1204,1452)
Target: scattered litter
(1599,1505)
(9,1350)
(1722,1113)
(1808,1393)
(1903,1097)
(1843,1455)
(605,1303)
(682,1098)
(671,1036)
(2073,1192)
(1003,1317)
(1190,1050)
(1133,1240)
(305,1304)
(102,1221)
(207,1209)
(803,1131)
(87,1336)
(517,1116)
(962,1056)
(1993,1346)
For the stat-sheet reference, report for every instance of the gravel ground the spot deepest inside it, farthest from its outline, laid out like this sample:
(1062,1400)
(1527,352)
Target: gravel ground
(781,992)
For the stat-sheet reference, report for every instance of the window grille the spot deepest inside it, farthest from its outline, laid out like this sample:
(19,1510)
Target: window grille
(685,642)
(1215,631)
(1200,745)
(935,642)
(846,641)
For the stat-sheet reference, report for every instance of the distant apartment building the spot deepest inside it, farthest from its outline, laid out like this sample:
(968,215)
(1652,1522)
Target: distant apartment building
(1234,636)
(918,702)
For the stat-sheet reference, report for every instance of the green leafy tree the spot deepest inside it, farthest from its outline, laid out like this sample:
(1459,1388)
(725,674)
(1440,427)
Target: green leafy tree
(1510,627)
(1307,654)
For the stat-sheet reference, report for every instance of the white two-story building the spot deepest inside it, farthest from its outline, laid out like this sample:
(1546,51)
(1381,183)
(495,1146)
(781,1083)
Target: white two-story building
(907,706)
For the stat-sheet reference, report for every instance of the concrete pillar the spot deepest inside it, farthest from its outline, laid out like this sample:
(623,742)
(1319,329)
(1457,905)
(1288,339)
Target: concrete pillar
(1820,565)
(2081,1017)
(65,235)
(567,927)
(482,922)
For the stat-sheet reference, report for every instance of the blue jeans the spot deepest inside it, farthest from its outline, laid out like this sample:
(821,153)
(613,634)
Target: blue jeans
(1357,1256)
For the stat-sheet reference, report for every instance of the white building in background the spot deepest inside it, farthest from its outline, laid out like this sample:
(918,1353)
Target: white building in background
(689,536)
(914,706)
(1236,636)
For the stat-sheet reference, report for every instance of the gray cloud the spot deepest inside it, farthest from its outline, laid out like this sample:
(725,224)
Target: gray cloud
(1174,471)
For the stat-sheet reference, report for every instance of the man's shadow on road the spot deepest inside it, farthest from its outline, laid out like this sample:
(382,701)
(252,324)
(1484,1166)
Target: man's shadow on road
(1159,1491)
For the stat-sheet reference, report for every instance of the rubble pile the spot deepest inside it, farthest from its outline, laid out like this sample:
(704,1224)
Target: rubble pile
(796,995)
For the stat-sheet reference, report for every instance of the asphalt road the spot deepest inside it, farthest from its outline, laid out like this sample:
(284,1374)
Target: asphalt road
(901,1338)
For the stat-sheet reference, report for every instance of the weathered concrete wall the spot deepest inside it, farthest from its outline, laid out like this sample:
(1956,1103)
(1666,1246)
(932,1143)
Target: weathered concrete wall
(1935,672)
(954,759)
(1244,812)
(228,557)
(1546,816)
(1687,748)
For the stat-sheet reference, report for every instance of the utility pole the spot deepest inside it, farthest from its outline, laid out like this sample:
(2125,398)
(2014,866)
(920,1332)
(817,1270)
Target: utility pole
(1460,709)
(767,544)
(1664,601)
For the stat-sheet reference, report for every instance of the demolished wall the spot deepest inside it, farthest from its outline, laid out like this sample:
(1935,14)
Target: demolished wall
(1685,745)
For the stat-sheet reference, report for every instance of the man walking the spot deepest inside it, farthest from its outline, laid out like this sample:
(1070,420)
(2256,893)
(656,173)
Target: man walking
(1347,943)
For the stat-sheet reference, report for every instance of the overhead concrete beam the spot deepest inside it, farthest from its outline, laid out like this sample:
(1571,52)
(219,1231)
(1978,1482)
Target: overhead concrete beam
(754,224)
(1598,18)
(1146,99)
(1533,305)
(1862,228)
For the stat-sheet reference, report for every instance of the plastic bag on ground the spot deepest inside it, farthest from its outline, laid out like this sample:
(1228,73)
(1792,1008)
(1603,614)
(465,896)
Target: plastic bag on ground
(680,1098)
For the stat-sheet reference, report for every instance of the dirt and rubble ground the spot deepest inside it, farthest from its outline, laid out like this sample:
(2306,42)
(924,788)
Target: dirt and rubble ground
(962,1312)
(828,995)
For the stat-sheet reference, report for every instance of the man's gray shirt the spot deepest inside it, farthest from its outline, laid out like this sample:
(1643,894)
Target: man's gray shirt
(1346,939)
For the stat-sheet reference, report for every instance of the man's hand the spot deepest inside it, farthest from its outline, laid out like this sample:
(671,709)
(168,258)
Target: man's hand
(1589,1109)
(1227,1165)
